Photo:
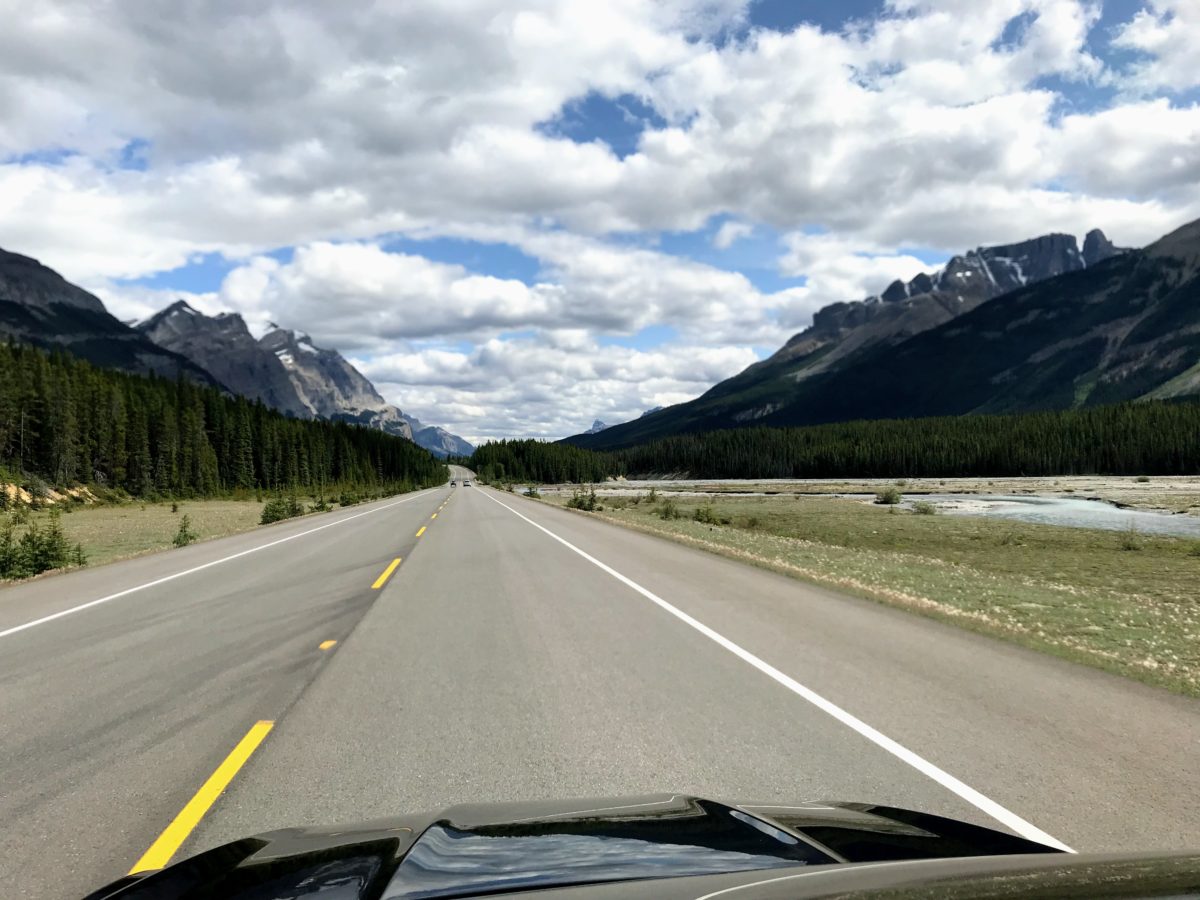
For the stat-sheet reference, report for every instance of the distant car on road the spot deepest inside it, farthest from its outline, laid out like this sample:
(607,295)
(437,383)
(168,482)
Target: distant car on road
(466,483)
(453,484)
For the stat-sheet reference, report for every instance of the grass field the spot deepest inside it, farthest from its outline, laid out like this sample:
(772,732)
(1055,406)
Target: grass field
(116,531)
(1124,602)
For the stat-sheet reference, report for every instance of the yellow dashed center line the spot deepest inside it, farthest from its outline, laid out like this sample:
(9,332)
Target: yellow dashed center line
(189,817)
(325,645)
(434,516)
(387,573)
(421,531)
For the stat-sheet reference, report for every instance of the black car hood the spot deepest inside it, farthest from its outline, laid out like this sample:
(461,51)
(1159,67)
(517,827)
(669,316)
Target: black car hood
(476,850)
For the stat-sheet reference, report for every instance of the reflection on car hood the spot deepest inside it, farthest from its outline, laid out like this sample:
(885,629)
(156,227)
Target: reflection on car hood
(477,850)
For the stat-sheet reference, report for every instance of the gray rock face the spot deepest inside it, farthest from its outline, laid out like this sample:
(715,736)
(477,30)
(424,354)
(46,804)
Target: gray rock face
(439,441)
(929,300)
(1097,247)
(223,346)
(843,335)
(289,373)
(328,386)
(26,281)
(38,306)
(597,427)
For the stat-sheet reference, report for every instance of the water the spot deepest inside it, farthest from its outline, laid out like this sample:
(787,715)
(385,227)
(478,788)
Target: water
(1070,511)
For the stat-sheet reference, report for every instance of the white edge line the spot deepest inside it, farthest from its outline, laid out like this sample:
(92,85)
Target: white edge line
(215,562)
(922,765)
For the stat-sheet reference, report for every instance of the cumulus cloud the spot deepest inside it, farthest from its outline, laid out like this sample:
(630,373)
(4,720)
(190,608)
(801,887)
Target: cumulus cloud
(361,297)
(1166,36)
(730,232)
(936,124)
(535,386)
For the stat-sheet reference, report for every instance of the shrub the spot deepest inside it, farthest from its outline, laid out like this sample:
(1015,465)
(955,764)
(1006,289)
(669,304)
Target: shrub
(706,515)
(37,550)
(652,497)
(348,499)
(322,505)
(1129,539)
(174,507)
(668,509)
(889,496)
(532,491)
(924,508)
(585,500)
(279,508)
(751,522)
(184,535)
(1142,479)
(1194,550)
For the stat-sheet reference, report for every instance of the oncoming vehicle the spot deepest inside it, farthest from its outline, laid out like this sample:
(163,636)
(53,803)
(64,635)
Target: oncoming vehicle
(667,847)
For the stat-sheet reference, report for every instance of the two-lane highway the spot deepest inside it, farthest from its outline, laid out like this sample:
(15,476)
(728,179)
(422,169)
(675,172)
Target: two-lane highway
(112,714)
(520,651)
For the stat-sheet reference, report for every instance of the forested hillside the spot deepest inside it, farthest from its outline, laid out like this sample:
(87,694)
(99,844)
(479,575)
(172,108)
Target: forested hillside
(66,421)
(1153,438)
(1149,438)
(539,462)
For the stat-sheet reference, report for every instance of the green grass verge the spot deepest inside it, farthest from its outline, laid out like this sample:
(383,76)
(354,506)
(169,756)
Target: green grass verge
(1073,592)
(110,532)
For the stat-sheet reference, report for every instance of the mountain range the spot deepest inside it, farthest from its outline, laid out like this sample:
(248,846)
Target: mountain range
(284,370)
(1041,324)
(40,307)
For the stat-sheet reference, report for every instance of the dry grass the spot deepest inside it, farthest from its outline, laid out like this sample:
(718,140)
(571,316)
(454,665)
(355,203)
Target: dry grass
(110,532)
(1070,591)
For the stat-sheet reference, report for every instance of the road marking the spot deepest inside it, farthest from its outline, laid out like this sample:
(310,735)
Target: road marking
(387,573)
(420,531)
(189,817)
(325,645)
(922,765)
(216,562)
(434,516)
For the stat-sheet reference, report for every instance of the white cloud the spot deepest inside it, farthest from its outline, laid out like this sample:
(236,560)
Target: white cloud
(328,126)
(536,387)
(358,296)
(731,232)
(1167,34)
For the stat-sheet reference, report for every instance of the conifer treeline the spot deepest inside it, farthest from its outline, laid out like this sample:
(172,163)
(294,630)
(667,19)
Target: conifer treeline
(1151,438)
(67,421)
(539,462)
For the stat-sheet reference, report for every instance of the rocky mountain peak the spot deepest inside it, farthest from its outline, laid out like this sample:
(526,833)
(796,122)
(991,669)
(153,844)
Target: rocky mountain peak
(223,345)
(26,281)
(39,306)
(1097,247)
(597,426)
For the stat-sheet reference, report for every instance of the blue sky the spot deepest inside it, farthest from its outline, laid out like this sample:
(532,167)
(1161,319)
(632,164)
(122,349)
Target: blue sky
(487,204)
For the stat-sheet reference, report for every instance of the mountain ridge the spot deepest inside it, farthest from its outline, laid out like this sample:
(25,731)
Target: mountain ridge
(40,307)
(1122,328)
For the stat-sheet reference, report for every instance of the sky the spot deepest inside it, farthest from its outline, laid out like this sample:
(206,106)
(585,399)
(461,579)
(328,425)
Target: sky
(518,217)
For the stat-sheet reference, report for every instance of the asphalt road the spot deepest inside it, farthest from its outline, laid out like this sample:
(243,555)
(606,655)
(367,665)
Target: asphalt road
(519,651)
